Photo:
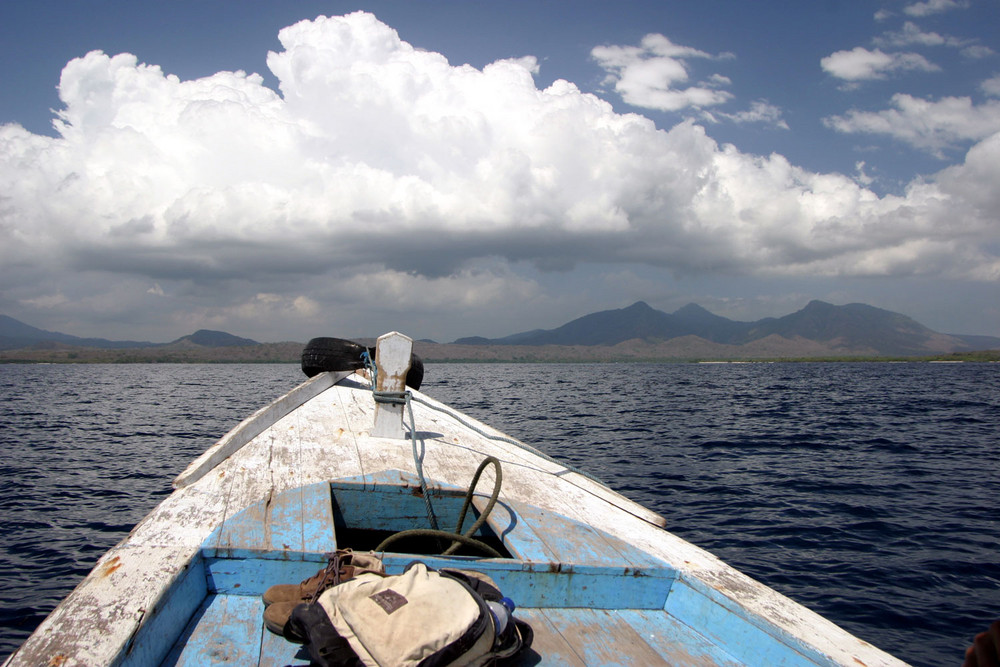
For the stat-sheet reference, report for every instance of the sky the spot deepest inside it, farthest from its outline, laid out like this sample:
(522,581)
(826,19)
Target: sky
(288,170)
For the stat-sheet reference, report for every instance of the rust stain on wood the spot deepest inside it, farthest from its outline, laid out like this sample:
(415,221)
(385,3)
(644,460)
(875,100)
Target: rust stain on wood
(58,659)
(108,568)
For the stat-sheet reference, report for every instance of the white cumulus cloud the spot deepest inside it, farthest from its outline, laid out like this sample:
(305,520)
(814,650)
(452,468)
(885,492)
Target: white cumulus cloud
(912,34)
(383,174)
(933,7)
(861,64)
(925,124)
(760,111)
(991,86)
(652,75)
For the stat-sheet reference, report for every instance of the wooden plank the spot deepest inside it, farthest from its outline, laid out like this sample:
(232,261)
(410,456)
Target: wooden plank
(290,512)
(745,636)
(355,411)
(240,532)
(374,454)
(548,648)
(166,618)
(614,498)
(602,638)
(252,498)
(184,518)
(226,630)
(518,536)
(292,522)
(283,443)
(302,520)
(253,425)
(327,447)
(556,585)
(277,651)
(254,575)
(250,480)
(95,623)
(541,533)
(596,637)
(676,642)
(528,584)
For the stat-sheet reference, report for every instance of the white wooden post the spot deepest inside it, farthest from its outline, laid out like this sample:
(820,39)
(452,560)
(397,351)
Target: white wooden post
(392,355)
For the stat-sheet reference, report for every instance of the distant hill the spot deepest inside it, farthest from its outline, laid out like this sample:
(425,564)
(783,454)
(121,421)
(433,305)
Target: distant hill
(208,338)
(852,329)
(15,334)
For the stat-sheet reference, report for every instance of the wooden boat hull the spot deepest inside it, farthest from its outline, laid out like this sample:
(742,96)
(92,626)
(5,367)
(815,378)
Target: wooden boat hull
(596,575)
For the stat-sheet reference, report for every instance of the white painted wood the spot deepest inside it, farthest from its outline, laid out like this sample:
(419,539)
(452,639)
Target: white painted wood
(95,621)
(250,427)
(392,354)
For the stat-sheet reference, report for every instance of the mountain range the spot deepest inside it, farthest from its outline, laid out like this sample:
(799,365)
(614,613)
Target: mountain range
(851,329)
(15,334)
(636,332)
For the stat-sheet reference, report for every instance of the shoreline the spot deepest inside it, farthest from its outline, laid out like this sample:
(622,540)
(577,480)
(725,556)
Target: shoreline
(289,353)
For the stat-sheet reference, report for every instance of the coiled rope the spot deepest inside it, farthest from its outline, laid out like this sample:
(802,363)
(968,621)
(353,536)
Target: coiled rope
(457,537)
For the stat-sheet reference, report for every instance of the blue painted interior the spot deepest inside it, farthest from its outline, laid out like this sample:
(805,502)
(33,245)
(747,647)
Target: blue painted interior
(584,591)
(165,620)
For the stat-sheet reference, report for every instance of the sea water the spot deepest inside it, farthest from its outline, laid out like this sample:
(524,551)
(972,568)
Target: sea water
(869,492)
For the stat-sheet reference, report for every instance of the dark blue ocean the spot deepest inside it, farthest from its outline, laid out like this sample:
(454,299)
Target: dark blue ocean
(867,492)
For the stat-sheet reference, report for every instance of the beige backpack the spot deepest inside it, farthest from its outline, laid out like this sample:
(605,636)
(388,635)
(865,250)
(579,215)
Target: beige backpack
(422,617)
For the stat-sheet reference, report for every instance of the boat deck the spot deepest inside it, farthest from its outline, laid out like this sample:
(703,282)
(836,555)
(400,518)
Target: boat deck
(594,573)
(226,630)
(591,598)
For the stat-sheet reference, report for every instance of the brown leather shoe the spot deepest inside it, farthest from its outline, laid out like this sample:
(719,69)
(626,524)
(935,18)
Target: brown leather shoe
(295,592)
(276,615)
(344,565)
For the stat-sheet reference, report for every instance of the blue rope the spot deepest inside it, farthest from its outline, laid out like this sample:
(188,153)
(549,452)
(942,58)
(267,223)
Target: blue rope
(370,367)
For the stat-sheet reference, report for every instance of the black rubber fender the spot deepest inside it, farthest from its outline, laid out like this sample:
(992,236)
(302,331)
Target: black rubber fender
(336,354)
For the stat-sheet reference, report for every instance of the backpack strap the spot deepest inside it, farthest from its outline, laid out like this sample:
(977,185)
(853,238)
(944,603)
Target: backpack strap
(480,583)
(310,625)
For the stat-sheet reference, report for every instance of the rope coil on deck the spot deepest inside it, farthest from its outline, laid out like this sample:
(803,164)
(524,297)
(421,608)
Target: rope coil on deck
(457,537)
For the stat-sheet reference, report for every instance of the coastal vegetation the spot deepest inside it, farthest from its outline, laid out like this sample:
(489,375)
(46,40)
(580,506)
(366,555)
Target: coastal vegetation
(290,352)
(638,333)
